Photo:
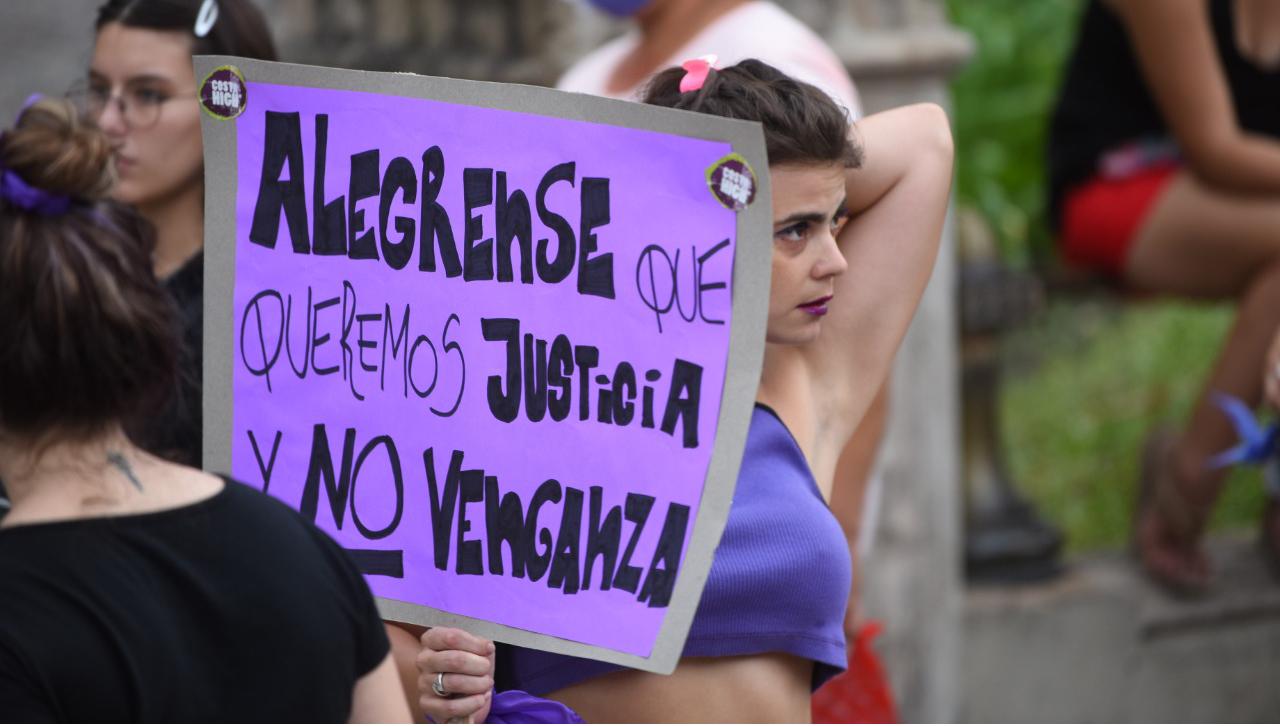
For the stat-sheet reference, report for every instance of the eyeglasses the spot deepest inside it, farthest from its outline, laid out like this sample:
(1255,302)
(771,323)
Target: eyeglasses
(139,105)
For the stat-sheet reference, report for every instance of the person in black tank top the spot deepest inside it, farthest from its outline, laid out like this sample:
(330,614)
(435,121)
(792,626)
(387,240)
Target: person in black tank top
(132,588)
(1164,165)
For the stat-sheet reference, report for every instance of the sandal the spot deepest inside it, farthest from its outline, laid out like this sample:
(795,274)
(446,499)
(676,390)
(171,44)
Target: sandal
(1165,526)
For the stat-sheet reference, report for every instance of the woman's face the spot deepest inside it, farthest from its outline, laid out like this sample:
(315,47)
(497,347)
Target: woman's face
(156,133)
(808,212)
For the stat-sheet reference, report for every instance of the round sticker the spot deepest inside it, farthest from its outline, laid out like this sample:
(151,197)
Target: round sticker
(223,93)
(732,182)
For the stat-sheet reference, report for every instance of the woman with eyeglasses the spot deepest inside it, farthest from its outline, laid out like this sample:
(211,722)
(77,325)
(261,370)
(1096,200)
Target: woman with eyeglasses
(141,91)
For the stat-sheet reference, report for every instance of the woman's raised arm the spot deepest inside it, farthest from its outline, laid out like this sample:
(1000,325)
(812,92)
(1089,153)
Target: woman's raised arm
(897,200)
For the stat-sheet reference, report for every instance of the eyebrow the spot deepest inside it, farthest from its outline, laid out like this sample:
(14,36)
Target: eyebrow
(808,217)
(134,80)
(814,217)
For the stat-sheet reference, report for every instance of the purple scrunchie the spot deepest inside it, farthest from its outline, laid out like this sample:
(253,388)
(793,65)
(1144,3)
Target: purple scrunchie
(19,193)
(520,707)
(15,190)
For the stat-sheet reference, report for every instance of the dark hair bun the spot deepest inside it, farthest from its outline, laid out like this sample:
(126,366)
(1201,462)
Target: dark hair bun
(88,337)
(54,149)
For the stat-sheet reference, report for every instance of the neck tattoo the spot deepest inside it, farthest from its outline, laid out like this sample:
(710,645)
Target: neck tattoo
(117,460)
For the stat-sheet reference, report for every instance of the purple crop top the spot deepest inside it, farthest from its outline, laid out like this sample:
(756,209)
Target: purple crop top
(779,582)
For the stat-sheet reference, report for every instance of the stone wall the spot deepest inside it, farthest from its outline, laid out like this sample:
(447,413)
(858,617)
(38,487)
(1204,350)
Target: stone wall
(44,47)
(517,41)
(901,52)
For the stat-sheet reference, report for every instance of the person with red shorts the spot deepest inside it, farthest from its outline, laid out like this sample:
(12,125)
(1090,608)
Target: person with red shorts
(1164,165)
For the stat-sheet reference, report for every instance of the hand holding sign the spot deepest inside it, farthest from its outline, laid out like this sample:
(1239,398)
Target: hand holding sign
(422,332)
(465,664)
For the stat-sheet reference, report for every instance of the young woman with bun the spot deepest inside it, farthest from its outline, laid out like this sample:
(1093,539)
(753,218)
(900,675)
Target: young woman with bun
(857,218)
(133,588)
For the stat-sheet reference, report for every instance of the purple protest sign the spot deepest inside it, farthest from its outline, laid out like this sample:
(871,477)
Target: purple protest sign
(491,347)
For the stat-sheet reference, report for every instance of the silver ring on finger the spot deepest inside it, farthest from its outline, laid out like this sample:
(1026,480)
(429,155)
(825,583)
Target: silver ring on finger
(437,686)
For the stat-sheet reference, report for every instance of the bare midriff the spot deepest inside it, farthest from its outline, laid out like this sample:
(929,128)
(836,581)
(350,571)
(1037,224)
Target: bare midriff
(773,687)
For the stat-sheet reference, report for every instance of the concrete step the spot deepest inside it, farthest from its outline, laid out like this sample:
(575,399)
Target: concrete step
(1101,644)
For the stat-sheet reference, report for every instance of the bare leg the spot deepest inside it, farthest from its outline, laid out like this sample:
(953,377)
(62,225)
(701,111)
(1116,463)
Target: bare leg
(1196,242)
(1238,372)
(1199,243)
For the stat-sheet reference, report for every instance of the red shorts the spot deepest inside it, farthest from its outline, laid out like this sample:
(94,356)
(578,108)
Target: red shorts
(1102,216)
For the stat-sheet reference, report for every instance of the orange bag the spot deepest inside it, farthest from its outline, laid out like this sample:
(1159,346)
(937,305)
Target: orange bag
(861,694)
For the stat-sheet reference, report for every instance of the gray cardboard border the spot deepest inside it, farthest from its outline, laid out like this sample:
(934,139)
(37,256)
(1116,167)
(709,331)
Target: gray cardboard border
(746,346)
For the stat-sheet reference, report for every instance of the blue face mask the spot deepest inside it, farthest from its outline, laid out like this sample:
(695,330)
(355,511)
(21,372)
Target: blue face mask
(620,8)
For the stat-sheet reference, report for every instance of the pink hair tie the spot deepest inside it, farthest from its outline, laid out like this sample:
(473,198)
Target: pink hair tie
(695,72)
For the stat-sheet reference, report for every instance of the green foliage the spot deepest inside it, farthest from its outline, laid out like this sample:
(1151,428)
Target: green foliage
(1090,377)
(1003,100)
(1095,378)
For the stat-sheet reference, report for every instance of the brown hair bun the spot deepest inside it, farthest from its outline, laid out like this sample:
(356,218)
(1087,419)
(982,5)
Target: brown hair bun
(88,337)
(54,149)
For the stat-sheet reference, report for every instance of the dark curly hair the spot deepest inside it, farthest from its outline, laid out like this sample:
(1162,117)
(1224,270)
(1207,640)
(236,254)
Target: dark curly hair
(802,124)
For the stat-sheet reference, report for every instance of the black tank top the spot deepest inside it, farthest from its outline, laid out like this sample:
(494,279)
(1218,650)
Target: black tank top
(1104,102)
(232,609)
